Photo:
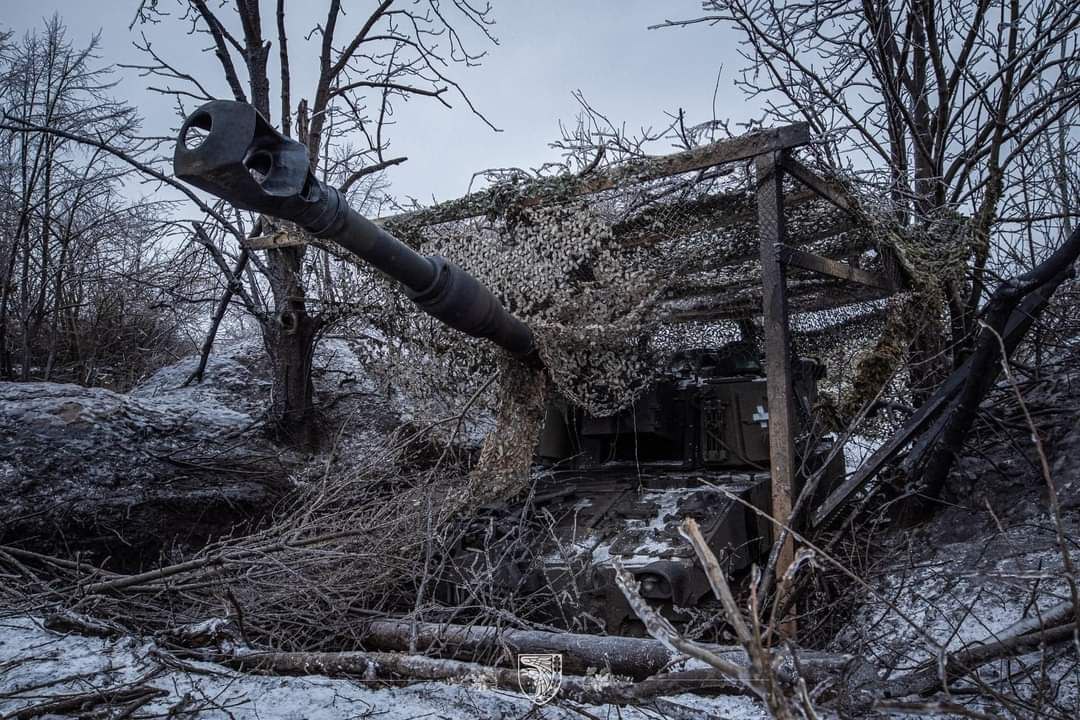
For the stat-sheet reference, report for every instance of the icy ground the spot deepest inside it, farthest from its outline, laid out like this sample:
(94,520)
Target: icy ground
(38,665)
(167,466)
(987,560)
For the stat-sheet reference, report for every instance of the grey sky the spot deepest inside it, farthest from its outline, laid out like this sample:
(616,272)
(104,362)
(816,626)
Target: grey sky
(548,48)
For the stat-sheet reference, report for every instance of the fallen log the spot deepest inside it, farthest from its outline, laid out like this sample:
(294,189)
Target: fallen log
(638,658)
(1030,291)
(594,690)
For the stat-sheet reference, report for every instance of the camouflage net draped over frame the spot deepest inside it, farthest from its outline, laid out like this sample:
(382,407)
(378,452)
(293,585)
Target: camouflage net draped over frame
(504,458)
(612,282)
(933,257)
(587,300)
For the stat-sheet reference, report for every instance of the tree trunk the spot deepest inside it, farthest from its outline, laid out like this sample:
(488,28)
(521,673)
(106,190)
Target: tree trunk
(291,343)
(293,419)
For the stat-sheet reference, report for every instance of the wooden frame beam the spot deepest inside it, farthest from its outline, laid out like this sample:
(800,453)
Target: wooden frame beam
(833,268)
(275,240)
(845,202)
(743,147)
(819,185)
(806,298)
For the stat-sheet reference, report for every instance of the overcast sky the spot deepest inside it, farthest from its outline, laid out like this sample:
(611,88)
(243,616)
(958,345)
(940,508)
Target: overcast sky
(547,49)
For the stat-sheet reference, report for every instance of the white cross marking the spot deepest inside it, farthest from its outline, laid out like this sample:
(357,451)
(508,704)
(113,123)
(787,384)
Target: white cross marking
(761,416)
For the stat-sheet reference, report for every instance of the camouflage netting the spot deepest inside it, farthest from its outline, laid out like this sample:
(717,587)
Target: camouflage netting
(933,258)
(612,282)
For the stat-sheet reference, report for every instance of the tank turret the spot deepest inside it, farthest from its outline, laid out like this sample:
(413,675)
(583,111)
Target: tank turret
(706,408)
(243,160)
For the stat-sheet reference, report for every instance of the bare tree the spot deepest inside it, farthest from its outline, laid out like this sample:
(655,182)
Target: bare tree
(942,103)
(77,253)
(395,52)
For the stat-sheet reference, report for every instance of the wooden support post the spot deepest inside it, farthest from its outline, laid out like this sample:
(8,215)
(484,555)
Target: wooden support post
(770,202)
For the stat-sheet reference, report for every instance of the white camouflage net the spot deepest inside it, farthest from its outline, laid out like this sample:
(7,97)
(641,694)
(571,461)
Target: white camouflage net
(613,282)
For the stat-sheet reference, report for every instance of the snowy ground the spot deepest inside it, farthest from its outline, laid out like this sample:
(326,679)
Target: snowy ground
(987,560)
(38,665)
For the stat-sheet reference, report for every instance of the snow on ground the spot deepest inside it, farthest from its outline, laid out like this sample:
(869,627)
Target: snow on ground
(337,367)
(87,448)
(234,378)
(163,464)
(964,579)
(857,450)
(960,593)
(37,665)
(237,375)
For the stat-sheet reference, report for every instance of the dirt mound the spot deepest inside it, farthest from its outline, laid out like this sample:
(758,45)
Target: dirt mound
(126,475)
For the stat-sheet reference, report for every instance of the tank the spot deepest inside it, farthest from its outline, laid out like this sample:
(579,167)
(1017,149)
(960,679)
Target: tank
(608,488)
(695,444)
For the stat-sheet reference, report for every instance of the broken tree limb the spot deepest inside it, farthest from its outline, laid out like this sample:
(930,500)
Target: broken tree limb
(1039,284)
(215,322)
(777,677)
(869,469)
(234,285)
(1051,617)
(638,657)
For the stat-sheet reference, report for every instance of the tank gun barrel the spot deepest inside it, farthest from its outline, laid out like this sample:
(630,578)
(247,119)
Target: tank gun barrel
(243,160)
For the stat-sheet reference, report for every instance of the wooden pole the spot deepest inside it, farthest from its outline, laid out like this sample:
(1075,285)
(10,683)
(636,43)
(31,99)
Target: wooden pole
(770,202)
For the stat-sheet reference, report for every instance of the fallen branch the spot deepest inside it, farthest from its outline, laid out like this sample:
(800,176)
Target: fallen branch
(1040,283)
(936,675)
(67,621)
(778,679)
(234,285)
(1011,311)
(82,702)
